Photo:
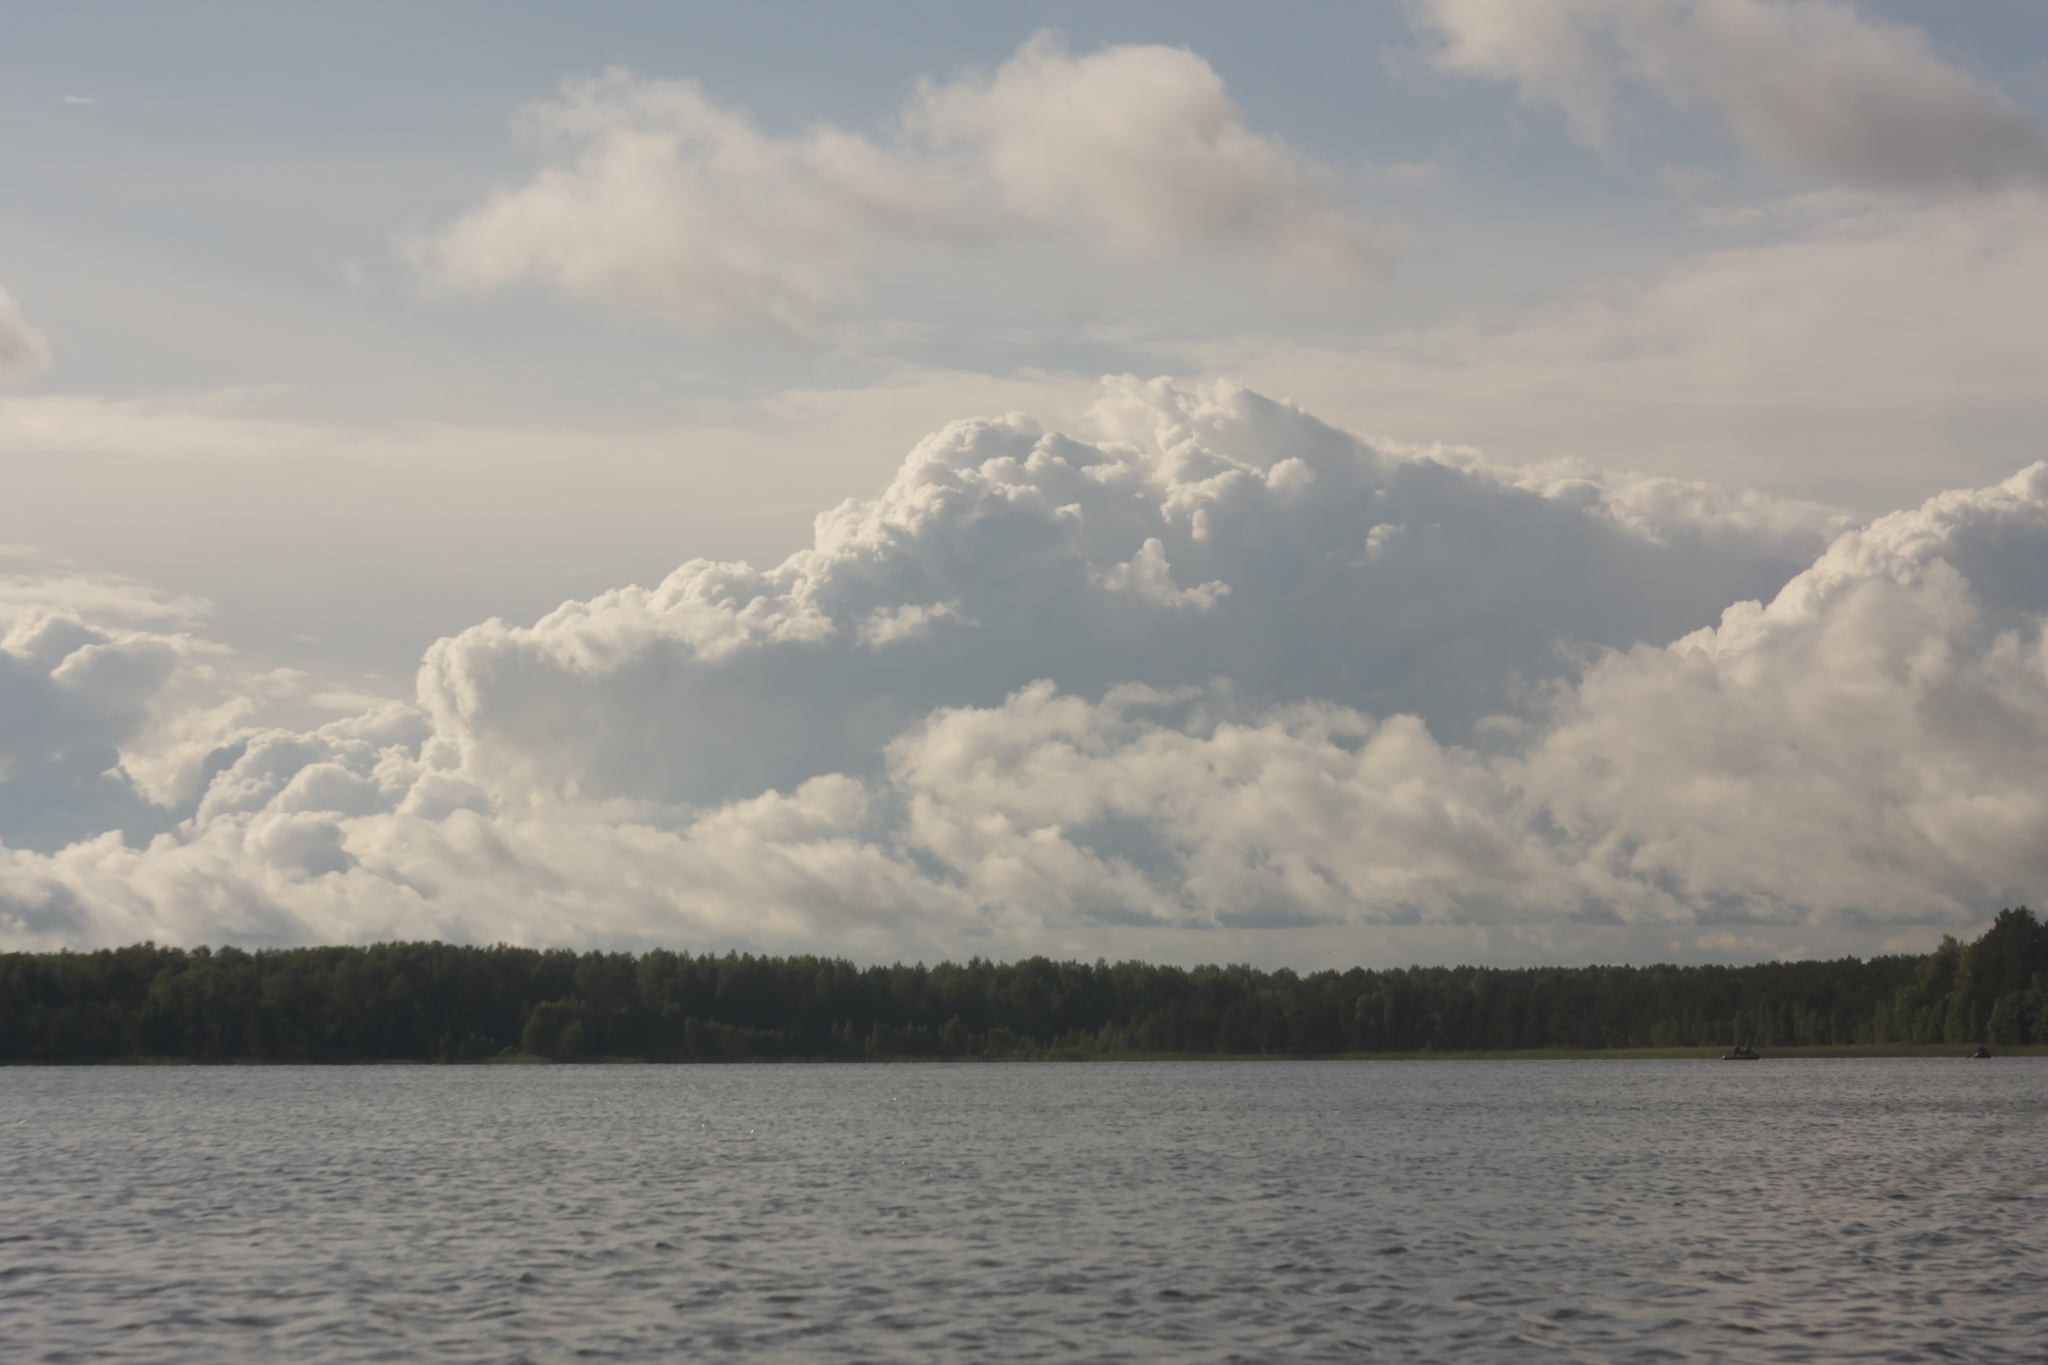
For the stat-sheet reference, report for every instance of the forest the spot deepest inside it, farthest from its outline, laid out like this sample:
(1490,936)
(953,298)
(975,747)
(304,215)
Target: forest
(453,1003)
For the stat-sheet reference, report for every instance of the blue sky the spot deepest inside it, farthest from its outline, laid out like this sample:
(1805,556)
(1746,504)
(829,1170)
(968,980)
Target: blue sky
(335,334)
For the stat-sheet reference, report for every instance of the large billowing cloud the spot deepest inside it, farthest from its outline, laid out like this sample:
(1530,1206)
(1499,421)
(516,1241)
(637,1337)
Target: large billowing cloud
(1216,680)
(1214,536)
(678,205)
(1810,85)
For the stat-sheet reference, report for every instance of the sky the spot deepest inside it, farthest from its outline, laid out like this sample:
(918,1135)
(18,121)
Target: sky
(1504,481)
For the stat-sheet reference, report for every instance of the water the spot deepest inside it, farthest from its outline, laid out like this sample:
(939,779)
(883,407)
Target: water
(1202,1212)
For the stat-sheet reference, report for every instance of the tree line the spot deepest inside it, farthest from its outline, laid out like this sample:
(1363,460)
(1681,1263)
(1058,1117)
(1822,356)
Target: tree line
(455,1003)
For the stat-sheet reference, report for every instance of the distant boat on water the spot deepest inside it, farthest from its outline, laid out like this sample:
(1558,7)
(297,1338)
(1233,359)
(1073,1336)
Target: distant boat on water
(1982,1051)
(1743,1053)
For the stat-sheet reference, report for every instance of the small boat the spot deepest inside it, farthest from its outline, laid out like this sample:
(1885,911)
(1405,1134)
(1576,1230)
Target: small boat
(1982,1051)
(1743,1053)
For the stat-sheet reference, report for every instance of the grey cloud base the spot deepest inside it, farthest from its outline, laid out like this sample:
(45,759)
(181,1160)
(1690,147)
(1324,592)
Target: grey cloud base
(1217,681)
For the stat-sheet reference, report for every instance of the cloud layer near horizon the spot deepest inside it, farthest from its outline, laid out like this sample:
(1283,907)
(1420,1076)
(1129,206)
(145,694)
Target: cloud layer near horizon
(1215,680)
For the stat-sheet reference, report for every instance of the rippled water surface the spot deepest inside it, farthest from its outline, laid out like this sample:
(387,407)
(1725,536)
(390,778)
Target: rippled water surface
(1787,1210)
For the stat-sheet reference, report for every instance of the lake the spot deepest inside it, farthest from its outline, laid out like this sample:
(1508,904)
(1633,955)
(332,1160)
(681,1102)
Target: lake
(1209,1211)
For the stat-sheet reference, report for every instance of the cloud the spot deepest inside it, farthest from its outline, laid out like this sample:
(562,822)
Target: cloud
(1811,85)
(1206,534)
(1142,143)
(24,352)
(1863,743)
(1216,680)
(1152,809)
(1859,751)
(1900,343)
(679,206)
(689,210)
(31,584)
(111,706)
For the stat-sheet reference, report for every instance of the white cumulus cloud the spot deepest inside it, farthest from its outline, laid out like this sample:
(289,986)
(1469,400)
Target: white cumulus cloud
(112,701)
(1811,85)
(1142,143)
(1866,743)
(1210,673)
(1206,534)
(673,203)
